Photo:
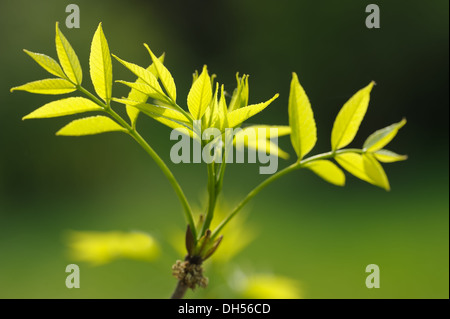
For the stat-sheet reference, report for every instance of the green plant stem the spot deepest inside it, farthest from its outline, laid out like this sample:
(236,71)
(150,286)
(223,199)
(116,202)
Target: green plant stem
(212,182)
(162,165)
(223,164)
(274,177)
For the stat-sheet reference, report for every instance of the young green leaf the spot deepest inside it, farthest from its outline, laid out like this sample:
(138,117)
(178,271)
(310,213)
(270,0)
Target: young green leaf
(163,114)
(349,118)
(143,88)
(354,164)
(211,113)
(156,111)
(47,63)
(69,106)
(47,86)
(136,95)
(268,146)
(387,156)
(239,98)
(101,66)
(281,130)
(328,171)
(375,171)
(222,119)
(148,77)
(258,137)
(90,126)
(68,58)
(238,116)
(382,137)
(164,76)
(200,95)
(301,120)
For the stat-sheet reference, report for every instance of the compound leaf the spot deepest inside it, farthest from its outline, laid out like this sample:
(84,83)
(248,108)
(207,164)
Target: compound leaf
(240,95)
(238,116)
(200,95)
(349,118)
(147,76)
(69,106)
(354,164)
(164,76)
(258,137)
(387,156)
(328,171)
(47,86)
(301,120)
(47,63)
(138,96)
(100,65)
(381,138)
(90,126)
(68,58)
(375,171)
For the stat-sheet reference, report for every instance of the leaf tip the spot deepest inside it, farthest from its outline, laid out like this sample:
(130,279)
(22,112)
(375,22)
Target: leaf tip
(116,57)
(403,122)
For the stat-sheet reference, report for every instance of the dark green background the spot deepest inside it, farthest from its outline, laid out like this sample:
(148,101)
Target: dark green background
(321,235)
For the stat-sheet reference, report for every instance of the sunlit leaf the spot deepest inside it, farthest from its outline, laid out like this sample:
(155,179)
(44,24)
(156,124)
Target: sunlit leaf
(137,95)
(222,110)
(90,126)
(387,156)
(47,86)
(381,138)
(328,171)
(258,137)
(200,95)
(155,110)
(239,98)
(349,118)
(147,76)
(100,65)
(264,131)
(375,171)
(68,58)
(143,88)
(47,63)
(211,114)
(268,146)
(195,76)
(301,120)
(354,164)
(69,106)
(164,76)
(238,116)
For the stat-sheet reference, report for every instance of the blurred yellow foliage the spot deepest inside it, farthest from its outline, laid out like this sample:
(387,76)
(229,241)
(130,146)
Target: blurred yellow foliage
(102,247)
(267,286)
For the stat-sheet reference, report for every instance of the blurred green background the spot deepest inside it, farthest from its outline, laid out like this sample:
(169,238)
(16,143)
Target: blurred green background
(320,235)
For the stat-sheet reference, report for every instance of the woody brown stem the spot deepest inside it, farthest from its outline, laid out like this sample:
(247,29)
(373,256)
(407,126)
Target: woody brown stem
(180,290)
